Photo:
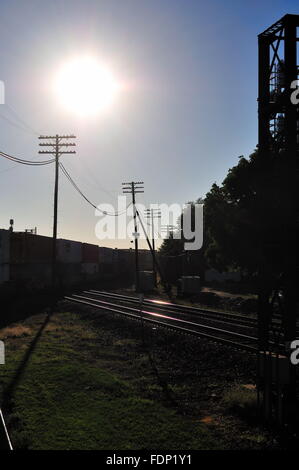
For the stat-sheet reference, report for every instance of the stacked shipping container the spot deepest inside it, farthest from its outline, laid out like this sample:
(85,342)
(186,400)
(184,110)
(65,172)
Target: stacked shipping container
(30,259)
(69,258)
(26,259)
(108,262)
(90,261)
(4,256)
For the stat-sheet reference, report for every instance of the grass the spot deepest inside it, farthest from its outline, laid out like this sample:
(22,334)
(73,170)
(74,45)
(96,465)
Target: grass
(241,400)
(70,384)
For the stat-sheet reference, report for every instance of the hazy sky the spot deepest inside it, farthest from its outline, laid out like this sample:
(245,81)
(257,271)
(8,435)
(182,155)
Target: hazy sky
(187,112)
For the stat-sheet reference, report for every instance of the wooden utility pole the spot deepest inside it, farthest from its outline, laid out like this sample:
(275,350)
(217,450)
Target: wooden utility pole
(133,188)
(153,213)
(57,143)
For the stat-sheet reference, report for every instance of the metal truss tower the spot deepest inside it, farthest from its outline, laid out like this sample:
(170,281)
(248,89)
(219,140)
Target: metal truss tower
(278,116)
(278,70)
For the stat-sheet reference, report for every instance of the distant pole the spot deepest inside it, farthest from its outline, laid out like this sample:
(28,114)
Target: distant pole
(153,213)
(154,251)
(136,240)
(57,145)
(169,229)
(133,188)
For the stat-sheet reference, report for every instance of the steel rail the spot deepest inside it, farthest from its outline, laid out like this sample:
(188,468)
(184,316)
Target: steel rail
(241,335)
(166,317)
(108,306)
(214,315)
(231,317)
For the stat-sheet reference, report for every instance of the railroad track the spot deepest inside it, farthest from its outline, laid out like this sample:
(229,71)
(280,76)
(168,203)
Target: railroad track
(5,442)
(221,327)
(238,320)
(224,317)
(189,320)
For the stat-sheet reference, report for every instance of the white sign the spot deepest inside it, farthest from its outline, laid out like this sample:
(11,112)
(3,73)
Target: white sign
(2,353)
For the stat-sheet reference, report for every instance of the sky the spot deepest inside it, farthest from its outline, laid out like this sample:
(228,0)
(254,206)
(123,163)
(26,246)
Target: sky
(187,110)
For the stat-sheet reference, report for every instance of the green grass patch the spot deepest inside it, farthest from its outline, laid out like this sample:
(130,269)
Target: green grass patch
(242,400)
(70,385)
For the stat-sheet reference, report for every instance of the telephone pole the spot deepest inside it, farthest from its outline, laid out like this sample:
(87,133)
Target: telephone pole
(168,229)
(153,214)
(134,188)
(57,144)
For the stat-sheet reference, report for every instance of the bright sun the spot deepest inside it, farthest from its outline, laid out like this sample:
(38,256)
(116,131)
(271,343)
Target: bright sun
(85,87)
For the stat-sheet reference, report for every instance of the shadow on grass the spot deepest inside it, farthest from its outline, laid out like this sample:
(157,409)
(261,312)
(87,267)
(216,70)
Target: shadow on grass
(10,388)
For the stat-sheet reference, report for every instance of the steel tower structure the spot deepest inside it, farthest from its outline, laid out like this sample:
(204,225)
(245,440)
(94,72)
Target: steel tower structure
(278,127)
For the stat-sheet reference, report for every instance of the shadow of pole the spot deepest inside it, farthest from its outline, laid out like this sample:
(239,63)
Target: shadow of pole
(9,390)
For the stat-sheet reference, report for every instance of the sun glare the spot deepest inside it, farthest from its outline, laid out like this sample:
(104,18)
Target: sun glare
(85,87)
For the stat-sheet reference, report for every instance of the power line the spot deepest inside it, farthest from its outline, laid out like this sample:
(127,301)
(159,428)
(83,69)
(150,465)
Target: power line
(89,176)
(22,121)
(74,185)
(17,125)
(21,124)
(25,162)
(26,127)
(68,176)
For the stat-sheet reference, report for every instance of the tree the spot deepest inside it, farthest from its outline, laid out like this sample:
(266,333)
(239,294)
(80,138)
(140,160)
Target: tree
(250,216)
